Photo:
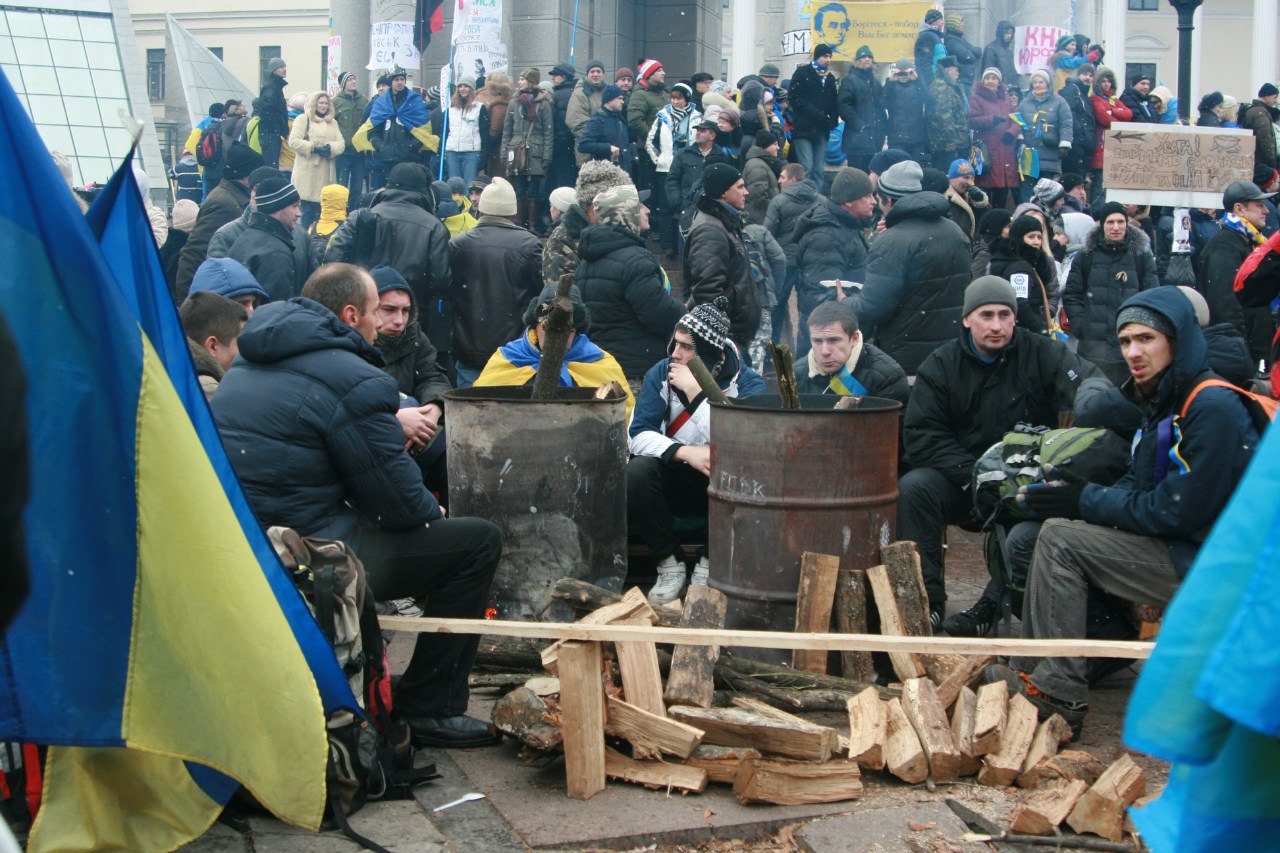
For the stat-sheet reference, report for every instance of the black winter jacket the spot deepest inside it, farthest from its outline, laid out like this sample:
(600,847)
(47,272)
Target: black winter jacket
(625,290)
(410,359)
(684,180)
(997,54)
(784,214)
(308,419)
(1136,101)
(497,269)
(905,103)
(1084,123)
(927,41)
(879,374)
(916,275)
(760,173)
(863,113)
(272,109)
(814,103)
(1220,260)
(716,264)
(267,249)
(1008,261)
(225,203)
(607,128)
(559,105)
(966,57)
(830,245)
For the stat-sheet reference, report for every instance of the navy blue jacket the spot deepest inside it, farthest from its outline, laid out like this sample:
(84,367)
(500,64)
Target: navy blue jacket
(607,128)
(309,421)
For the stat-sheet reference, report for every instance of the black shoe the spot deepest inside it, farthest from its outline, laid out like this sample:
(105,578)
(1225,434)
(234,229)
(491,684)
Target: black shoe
(1099,669)
(1046,705)
(460,732)
(937,612)
(978,621)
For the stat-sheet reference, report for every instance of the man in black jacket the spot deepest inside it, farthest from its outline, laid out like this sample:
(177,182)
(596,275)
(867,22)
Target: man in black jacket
(273,112)
(267,248)
(564,167)
(1221,257)
(225,204)
(1135,98)
(715,257)
(863,113)
(684,180)
(905,99)
(309,423)
(1084,124)
(831,245)
(929,47)
(814,110)
(841,363)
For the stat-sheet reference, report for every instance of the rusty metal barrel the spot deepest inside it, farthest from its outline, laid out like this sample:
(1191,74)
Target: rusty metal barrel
(552,475)
(786,481)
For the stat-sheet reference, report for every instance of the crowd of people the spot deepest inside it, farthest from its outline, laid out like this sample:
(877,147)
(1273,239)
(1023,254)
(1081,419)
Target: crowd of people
(943,238)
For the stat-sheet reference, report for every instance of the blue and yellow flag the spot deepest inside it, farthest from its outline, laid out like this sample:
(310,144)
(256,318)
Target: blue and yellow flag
(161,653)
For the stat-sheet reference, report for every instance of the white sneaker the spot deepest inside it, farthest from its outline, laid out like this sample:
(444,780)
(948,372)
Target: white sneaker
(404,607)
(670,581)
(700,572)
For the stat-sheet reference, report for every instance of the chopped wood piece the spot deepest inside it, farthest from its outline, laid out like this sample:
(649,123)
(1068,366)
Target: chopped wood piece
(1101,808)
(721,762)
(650,734)
(1001,768)
(692,678)
(527,717)
(990,717)
(961,675)
(633,603)
(509,654)
(584,596)
(788,783)
(902,566)
(555,343)
(741,727)
(814,599)
(582,718)
(867,729)
(1068,764)
(654,774)
(903,754)
(544,685)
(905,664)
(641,678)
(1049,806)
(962,715)
(1050,735)
(610,391)
(851,618)
(924,711)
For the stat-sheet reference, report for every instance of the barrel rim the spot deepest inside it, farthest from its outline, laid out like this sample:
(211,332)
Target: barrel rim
(878,405)
(521,394)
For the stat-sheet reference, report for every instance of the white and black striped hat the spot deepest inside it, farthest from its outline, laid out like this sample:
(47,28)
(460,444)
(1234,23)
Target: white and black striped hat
(274,194)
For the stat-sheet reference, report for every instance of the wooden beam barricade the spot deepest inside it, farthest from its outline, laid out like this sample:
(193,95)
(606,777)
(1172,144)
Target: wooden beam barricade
(771,639)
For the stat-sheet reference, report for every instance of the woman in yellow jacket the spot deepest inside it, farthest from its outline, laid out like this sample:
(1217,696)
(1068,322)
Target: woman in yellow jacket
(316,140)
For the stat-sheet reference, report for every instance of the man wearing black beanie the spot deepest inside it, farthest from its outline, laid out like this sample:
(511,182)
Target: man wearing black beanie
(224,204)
(715,257)
(1259,117)
(266,247)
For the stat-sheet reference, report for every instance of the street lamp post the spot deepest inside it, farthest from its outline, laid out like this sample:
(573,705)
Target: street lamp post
(1186,12)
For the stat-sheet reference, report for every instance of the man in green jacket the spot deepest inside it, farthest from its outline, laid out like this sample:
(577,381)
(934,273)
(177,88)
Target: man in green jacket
(649,96)
(348,110)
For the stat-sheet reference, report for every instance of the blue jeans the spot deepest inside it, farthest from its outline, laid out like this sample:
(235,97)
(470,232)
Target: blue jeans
(462,164)
(809,153)
(466,375)
(350,166)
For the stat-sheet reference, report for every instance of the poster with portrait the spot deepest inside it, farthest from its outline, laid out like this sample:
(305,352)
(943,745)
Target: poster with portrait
(889,29)
(476,59)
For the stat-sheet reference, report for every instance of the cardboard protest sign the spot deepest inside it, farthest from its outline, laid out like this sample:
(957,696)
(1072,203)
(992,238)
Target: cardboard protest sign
(477,21)
(391,45)
(889,29)
(476,59)
(333,64)
(1033,47)
(1174,166)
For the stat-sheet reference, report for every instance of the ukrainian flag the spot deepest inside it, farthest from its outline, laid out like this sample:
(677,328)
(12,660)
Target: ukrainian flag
(162,652)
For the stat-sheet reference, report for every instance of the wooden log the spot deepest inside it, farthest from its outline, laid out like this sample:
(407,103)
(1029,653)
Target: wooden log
(501,681)
(780,675)
(721,762)
(851,618)
(583,596)
(784,370)
(868,721)
(1002,767)
(641,677)
(741,727)
(789,783)
(962,675)
(528,717)
(654,774)
(509,654)
(962,716)
(1068,764)
(692,678)
(1040,813)
(650,734)
(905,664)
(1050,735)
(990,717)
(707,382)
(924,712)
(901,561)
(1101,808)
(610,391)
(903,754)
(582,718)
(814,600)
(633,603)
(557,315)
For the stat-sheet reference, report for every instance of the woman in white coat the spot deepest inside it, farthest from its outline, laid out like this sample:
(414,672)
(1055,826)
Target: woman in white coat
(316,140)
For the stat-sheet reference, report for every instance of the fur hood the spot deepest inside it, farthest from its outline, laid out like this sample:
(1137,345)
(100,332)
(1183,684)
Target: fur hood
(1105,74)
(312,100)
(1135,240)
(498,88)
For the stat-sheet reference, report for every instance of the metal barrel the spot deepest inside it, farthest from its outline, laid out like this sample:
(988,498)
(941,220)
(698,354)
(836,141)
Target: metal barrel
(785,481)
(552,475)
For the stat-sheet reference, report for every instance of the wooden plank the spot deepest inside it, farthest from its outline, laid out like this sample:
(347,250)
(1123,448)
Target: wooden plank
(721,762)
(654,774)
(814,599)
(903,754)
(1050,735)
(990,717)
(961,675)
(691,680)
(1101,808)
(962,716)
(1068,764)
(641,677)
(902,566)
(632,603)
(851,618)
(924,712)
(868,721)
(648,733)
(1001,768)
(789,783)
(1049,806)
(741,727)
(905,664)
(582,718)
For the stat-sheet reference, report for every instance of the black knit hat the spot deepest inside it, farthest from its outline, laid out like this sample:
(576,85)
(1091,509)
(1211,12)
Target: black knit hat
(1110,208)
(994,221)
(708,324)
(1146,316)
(718,178)
(1267,90)
(241,160)
(408,176)
(822,49)
(274,194)
(261,173)
(1021,227)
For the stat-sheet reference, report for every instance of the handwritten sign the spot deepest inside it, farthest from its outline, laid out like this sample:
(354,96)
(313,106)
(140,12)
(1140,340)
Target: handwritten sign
(1174,166)
(477,21)
(476,59)
(889,29)
(796,42)
(1033,47)
(391,44)
(333,64)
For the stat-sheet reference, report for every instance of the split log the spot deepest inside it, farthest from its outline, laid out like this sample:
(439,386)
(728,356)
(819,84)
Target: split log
(784,369)
(502,681)
(778,675)
(610,391)
(707,382)
(1050,735)
(721,762)
(633,603)
(641,678)
(558,316)
(650,734)
(814,599)
(508,654)
(905,664)
(903,754)
(654,774)
(851,618)
(789,783)
(990,717)
(584,596)
(1101,808)
(961,674)
(1068,764)
(924,712)
(1001,768)
(692,678)
(962,716)
(901,561)
(867,729)
(529,718)
(1049,806)
(740,727)
(582,718)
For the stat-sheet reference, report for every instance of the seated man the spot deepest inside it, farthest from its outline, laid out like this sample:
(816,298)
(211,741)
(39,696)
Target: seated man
(211,323)
(231,279)
(841,362)
(309,422)
(585,364)
(967,395)
(670,467)
(1137,539)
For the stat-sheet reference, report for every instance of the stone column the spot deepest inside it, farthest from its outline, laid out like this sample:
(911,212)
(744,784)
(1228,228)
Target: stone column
(1197,60)
(1263,69)
(742,60)
(350,21)
(1113,33)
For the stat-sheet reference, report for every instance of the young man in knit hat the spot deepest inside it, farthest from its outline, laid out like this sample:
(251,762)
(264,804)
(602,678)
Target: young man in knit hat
(862,108)
(815,110)
(1260,117)
(670,432)
(649,96)
(226,203)
(831,245)
(266,247)
(929,47)
(348,110)
(584,103)
(715,258)
(605,136)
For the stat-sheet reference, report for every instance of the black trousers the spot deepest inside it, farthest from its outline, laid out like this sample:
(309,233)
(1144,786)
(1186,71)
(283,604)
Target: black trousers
(450,563)
(655,492)
(927,502)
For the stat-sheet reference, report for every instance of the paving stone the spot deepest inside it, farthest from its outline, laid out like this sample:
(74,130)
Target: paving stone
(887,830)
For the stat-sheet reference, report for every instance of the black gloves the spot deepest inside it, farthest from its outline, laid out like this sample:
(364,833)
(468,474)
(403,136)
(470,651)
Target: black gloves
(322,150)
(1057,498)
(996,121)
(976,195)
